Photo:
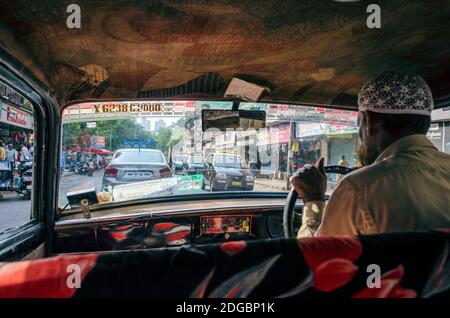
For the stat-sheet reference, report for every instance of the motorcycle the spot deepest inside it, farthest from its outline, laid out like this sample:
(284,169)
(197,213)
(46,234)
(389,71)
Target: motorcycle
(20,182)
(91,169)
(26,183)
(83,168)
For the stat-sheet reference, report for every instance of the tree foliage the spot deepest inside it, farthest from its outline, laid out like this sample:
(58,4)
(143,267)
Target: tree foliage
(117,131)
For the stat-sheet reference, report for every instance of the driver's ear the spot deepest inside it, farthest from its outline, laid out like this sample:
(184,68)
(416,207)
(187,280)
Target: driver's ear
(371,125)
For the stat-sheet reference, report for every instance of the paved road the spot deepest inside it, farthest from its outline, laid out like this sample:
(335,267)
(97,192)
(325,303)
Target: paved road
(73,182)
(14,211)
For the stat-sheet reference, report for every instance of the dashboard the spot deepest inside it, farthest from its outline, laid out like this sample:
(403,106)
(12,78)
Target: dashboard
(166,225)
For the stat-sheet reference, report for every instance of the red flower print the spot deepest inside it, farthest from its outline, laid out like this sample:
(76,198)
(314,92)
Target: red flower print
(118,236)
(164,226)
(333,274)
(232,248)
(389,287)
(331,260)
(43,278)
(320,249)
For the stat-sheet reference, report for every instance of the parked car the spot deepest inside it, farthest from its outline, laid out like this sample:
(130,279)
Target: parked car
(178,163)
(134,165)
(194,165)
(227,172)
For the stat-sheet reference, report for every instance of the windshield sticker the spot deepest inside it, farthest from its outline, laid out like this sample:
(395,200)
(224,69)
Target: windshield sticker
(193,182)
(129,107)
(138,190)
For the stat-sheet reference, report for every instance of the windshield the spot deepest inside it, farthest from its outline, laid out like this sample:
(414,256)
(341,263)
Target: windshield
(143,156)
(133,150)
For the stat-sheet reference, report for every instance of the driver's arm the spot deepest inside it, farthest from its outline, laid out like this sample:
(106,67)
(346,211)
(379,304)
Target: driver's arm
(311,219)
(344,214)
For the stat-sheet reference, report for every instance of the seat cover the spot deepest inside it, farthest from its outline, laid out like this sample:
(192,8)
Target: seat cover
(410,265)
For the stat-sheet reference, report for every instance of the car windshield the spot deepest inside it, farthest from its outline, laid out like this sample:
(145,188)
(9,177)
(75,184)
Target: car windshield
(132,150)
(138,155)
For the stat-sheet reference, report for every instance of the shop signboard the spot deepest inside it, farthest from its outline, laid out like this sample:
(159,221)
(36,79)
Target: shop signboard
(280,134)
(305,129)
(98,142)
(16,116)
(436,134)
(336,129)
(447,137)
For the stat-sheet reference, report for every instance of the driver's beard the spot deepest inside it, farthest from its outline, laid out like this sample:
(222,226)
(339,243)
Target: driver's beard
(366,155)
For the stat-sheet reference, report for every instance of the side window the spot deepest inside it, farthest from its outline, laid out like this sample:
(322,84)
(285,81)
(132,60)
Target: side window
(16,158)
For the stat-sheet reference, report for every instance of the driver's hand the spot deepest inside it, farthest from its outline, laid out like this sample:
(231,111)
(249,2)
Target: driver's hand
(310,182)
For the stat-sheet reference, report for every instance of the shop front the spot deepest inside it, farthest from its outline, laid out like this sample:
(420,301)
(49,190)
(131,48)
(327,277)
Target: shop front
(273,150)
(331,141)
(16,124)
(439,132)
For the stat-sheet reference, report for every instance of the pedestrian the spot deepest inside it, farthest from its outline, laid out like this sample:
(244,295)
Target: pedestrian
(31,151)
(2,151)
(342,163)
(24,154)
(11,155)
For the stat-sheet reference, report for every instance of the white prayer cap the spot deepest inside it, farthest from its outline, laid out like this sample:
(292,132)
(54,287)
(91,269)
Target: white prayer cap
(396,93)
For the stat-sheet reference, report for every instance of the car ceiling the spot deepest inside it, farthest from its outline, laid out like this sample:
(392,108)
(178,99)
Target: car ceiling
(312,51)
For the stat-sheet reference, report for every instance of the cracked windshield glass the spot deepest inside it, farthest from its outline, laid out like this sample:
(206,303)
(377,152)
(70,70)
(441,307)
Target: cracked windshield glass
(121,151)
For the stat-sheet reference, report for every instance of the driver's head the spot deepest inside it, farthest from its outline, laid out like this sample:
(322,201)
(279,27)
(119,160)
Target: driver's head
(391,106)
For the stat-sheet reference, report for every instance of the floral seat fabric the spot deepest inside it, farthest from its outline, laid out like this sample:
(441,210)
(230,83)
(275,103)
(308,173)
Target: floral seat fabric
(377,266)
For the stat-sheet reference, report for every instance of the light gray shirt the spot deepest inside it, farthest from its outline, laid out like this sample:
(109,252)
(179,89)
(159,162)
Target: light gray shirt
(406,188)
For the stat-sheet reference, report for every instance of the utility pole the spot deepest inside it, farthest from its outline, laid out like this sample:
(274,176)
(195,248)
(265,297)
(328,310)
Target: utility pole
(110,138)
(289,156)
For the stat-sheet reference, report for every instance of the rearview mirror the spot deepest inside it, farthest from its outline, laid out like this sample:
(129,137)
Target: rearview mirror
(233,119)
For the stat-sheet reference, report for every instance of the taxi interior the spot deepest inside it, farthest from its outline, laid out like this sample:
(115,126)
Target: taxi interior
(304,54)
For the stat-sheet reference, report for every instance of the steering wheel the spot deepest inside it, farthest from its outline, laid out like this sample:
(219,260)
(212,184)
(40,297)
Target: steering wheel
(289,207)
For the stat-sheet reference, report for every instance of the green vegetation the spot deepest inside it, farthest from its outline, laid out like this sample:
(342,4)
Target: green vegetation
(117,131)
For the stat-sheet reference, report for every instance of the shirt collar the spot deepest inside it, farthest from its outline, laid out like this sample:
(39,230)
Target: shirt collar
(406,144)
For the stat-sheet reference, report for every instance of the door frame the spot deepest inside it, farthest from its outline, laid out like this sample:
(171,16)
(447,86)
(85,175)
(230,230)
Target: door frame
(20,242)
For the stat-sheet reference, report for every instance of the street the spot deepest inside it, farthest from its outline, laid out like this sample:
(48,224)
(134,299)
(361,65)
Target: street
(72,182)
(15,209)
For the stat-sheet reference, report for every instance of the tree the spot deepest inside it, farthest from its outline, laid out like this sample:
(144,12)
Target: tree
(163,138)
(114,131)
